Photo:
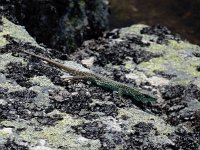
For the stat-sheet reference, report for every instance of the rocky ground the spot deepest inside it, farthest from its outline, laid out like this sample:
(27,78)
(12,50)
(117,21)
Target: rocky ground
(60,24)
(39,109)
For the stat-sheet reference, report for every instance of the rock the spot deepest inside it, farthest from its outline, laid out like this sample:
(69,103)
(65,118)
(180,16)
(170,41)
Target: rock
(59,24)
(41,110)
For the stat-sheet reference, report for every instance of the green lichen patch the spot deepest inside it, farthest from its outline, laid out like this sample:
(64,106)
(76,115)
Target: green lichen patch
(176,58)
(136,116)
(6,132)
(136,29)
(44,81)
(17,32)
(132,29)
(5,59)
(3,41)
(155,64)
(9,85)
(12,87)
(61,135)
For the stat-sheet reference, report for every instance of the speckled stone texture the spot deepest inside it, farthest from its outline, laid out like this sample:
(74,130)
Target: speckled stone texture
(39,109)
(60,24)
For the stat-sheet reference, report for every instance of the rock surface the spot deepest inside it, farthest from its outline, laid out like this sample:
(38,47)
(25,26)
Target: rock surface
(61,24)
(41,110)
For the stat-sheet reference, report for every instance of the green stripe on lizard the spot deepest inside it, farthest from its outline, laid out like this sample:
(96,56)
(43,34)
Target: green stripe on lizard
(101,81)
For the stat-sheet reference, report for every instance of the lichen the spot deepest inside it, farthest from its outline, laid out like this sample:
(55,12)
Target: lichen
(5,59)
(161,129)
(17,32)
(135,116)
(3,41)
(61,135)
(43,81)
(175,56)
(12,87)
(132,29)
(6,132)
(155,64)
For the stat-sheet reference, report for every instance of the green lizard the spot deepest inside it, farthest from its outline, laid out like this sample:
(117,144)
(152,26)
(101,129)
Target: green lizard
(101,81)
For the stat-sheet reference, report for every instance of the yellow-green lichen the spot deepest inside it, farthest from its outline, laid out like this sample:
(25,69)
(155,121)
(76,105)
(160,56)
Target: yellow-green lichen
(157,48)
(12,87)
(181,45)
(129,66)
(44,81)
(5,132)
(5,59)
(58,135)
(155,64)
(136,116)
(61,135)
(15,124)
(3,41)
(132,29)
(173,57)
(136,29)
(181,81)
(17,32)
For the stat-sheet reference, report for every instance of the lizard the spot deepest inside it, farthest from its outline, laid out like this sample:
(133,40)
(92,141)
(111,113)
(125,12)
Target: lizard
(99,80)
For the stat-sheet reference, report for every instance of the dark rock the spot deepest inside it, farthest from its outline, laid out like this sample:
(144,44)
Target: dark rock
(185,140)
(162,32)
(171,92)
(60,24)
(12,145)
(92,130)
(109,110)
(105,51)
